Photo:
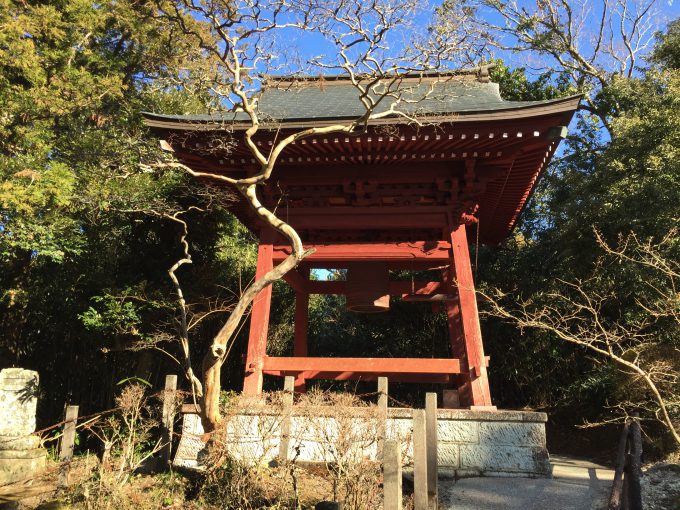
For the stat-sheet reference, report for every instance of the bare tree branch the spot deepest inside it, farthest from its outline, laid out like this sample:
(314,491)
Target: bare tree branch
(577,315)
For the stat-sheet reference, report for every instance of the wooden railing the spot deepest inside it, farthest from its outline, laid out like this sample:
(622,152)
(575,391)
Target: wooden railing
(626,494)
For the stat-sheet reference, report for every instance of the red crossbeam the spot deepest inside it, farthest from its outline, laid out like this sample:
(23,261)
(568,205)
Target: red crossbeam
(396,288)
(374,220)
(366,376)
(365,369)
(357,252)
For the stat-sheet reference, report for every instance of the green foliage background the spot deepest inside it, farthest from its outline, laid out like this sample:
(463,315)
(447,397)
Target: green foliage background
(84,246)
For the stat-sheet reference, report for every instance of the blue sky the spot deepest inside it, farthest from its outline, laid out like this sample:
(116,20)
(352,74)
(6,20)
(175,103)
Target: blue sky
(308,45)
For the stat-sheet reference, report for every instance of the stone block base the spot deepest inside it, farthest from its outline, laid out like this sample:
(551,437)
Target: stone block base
(482,443)
(17,465)
(470,442)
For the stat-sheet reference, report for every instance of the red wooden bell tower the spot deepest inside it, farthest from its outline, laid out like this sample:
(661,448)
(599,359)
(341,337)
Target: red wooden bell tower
(467,365)
(394,196)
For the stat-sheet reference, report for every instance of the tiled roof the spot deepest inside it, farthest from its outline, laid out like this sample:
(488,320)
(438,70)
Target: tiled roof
(311,100)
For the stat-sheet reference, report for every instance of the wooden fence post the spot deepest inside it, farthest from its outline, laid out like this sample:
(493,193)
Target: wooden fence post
(615,498)
(431,436)
(284,440)
(635,470)
(383,385)
(382,414)
(626,493)
(67,442)
(420,493)
(169,408)
(391,475)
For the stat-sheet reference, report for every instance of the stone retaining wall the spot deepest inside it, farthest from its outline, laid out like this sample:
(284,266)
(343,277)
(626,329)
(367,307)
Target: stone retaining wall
(470,443)
(493,443)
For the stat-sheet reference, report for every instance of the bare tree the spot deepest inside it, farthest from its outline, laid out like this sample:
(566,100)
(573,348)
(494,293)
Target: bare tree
(593,42)
(183,316)
(580,313)
(375,44)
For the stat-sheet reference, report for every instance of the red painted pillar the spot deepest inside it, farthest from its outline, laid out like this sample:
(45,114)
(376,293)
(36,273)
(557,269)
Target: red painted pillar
(301,328)
(469,317)
(458,349)
(456,335)
(259,321)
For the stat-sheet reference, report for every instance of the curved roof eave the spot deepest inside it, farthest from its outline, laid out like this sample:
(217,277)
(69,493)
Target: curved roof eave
(221,121)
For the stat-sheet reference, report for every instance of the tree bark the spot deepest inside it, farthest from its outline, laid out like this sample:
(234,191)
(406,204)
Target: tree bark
(214,358)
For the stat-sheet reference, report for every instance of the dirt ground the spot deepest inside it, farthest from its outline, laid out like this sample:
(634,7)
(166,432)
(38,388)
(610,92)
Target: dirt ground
(171,491)
(174,491)
(660,486)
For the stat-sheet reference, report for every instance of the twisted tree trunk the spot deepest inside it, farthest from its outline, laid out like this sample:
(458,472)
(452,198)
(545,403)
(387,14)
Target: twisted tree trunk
(213,360)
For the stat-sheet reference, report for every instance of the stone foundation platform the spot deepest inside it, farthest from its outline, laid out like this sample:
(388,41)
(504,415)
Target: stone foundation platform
(21,464)
(470,443)
(489,443)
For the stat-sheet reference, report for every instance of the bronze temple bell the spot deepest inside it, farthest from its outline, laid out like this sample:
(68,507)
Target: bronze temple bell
(368,287)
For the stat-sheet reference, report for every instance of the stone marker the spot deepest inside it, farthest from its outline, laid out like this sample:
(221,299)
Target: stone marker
(191,450)
(21,457)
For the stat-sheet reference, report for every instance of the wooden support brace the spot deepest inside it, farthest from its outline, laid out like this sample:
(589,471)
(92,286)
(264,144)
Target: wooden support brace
(366,252)
(350,375)
(396,288)
(368,366)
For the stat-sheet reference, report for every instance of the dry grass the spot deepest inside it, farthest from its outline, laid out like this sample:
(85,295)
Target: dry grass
(140,492)
(343,430)
(337,429)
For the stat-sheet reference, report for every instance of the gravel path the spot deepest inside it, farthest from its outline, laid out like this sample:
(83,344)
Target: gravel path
(576,485)
(661,487)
